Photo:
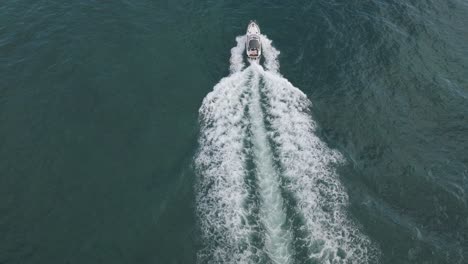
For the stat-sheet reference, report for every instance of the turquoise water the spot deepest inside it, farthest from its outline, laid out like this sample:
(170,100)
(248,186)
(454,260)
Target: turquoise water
(116,147)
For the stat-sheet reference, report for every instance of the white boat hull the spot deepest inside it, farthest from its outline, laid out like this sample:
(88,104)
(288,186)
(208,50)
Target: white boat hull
(253,44)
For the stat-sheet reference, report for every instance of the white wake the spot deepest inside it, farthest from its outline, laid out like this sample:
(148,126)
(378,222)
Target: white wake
(221,162)
(256,114)
(272,212)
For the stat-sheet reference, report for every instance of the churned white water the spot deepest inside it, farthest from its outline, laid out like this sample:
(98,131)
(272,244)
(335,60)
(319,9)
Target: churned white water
(272,211)
(287,156)
(308,165)
(221,189)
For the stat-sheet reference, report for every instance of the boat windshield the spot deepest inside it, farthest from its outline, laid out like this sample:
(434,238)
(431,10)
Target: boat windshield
(254,44)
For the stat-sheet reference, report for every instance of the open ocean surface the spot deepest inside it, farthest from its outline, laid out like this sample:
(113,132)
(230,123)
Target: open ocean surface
(137,132)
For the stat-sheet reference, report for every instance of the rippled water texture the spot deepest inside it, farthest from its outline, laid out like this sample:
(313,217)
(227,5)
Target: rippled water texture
(363,124)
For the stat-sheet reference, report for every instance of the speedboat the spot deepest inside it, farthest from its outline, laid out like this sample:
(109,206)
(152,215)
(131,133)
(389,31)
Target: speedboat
(253,45)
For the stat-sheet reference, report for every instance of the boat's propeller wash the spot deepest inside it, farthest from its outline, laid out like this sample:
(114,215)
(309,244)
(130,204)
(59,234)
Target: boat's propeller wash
(267,191)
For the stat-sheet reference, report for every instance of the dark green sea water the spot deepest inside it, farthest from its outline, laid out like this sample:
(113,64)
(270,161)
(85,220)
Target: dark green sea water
(99,122)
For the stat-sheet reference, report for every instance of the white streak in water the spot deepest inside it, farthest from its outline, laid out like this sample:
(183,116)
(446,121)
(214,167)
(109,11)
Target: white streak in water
(307,163)
(221,188)
(272,211)
(237,55)
(270,54)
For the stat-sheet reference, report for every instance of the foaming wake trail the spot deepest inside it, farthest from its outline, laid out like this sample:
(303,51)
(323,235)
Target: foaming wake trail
(221,165)
(307,164)
(257,139)
(237,58)
(271,55)
(272,211)
(232,133)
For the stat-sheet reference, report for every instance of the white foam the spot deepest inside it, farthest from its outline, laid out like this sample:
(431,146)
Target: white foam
(237,55)
(307,163)
(227,114)
(221,189)
(270,54)
(272,211)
